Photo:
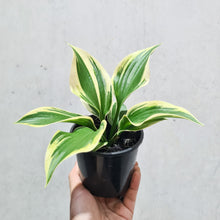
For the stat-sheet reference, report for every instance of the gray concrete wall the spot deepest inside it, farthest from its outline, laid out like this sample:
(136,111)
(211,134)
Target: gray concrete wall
(180,161)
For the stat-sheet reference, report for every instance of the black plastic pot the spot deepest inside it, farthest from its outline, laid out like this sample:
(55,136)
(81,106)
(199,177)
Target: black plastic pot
(108,174)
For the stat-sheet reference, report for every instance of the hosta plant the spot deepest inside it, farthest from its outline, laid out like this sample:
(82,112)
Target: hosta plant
(91,83)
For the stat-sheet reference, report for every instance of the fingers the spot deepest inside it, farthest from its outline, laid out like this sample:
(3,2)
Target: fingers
(131,194)
(74,178)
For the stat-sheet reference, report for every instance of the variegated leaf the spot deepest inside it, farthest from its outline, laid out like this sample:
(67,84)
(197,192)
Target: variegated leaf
(90,81)
(64,145)
(47,115)
(148,113)
(132,73)
(100,145)
(90,108)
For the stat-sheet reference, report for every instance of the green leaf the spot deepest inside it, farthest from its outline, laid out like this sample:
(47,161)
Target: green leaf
(148,113)
(64,145)
(132,73)
(112,112)
(47,115)
(90,81)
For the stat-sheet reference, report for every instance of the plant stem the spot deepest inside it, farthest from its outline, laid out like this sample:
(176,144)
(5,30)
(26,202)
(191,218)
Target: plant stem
(114,125)
(101,117)
(112,139)
(104,139)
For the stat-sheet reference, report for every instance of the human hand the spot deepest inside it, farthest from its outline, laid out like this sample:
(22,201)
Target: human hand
(83,205)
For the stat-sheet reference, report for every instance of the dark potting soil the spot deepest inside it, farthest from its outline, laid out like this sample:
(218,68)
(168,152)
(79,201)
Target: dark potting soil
(125,140)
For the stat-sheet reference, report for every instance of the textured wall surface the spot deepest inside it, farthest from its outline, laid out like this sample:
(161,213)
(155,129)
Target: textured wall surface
(179,160)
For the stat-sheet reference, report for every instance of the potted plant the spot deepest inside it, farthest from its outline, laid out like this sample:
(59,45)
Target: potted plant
(106,142)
